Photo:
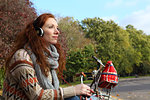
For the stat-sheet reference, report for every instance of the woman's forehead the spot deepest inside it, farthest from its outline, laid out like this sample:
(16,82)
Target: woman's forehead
(51,21)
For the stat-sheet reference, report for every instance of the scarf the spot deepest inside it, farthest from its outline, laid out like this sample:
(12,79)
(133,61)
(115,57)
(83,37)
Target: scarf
(53,61)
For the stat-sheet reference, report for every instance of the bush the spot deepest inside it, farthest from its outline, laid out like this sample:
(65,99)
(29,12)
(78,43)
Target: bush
(1,77)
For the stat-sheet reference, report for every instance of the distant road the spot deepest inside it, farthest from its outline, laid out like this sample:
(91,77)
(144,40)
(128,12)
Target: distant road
(133,89)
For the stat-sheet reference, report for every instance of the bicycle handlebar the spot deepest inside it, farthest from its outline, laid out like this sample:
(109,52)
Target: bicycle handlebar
(99,61)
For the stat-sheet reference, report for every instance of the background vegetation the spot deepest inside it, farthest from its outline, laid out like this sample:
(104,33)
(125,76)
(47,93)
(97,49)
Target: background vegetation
(128,48)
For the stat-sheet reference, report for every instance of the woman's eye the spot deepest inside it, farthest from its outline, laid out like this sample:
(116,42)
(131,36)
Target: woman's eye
(58,29)
(51,26)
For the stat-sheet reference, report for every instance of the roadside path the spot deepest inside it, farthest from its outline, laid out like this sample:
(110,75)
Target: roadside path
(133,89)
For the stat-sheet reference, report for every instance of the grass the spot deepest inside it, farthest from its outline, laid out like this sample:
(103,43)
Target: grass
(1,77)
(133,76)
(75,83)
(0,92)
(90,81)
(127,77)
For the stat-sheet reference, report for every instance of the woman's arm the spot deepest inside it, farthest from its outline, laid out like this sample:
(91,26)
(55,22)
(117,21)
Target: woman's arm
(23,71)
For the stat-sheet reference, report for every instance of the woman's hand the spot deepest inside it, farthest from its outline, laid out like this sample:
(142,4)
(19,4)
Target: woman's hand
(83,89)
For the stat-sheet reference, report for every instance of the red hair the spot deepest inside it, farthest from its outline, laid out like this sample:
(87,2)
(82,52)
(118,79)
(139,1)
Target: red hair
(29,37)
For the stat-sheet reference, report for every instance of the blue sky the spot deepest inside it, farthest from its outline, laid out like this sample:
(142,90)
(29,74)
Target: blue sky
(123,12)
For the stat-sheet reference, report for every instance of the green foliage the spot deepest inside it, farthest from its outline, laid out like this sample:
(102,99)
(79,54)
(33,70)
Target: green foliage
(72,32)
(126,48)
(1,77)
(80,60)
(141,45)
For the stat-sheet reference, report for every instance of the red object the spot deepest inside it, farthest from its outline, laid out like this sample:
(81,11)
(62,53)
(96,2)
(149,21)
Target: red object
(79,74)
(109,78)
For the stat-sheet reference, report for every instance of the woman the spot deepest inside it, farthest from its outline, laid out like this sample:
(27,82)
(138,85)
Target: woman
(31,68)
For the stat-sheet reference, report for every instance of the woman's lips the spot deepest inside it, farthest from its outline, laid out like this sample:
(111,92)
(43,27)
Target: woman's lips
(55,37)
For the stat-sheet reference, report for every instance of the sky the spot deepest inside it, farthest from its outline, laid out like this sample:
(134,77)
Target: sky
(122,12)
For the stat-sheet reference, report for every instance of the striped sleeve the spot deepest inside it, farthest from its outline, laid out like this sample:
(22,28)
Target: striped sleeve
(23,71)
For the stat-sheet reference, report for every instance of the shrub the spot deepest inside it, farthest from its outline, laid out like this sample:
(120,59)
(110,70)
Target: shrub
(1,77)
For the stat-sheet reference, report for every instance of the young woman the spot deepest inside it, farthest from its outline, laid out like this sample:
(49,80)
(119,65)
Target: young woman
(31,67)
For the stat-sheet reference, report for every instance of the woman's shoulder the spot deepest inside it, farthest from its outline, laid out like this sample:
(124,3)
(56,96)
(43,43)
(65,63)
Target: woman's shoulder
(20,56)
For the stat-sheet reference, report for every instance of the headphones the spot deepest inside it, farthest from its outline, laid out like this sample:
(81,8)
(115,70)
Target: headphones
(39,30)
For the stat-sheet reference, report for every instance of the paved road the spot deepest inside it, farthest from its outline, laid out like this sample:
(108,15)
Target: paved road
(133,89)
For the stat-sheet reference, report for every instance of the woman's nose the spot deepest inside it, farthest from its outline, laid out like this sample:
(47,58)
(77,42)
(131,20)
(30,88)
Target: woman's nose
(57,30)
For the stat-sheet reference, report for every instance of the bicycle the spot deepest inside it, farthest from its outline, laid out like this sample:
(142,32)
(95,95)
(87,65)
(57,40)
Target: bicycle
(105,77)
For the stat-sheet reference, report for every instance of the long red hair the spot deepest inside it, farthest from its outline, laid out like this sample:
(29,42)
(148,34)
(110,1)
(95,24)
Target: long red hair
(29,37)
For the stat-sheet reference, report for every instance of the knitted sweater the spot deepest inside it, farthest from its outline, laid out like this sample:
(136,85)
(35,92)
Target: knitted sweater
(22,84)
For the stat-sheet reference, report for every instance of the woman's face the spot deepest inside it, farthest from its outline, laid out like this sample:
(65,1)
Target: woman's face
(51,31)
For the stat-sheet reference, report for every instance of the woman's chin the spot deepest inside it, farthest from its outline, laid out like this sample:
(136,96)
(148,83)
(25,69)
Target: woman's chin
(54,42)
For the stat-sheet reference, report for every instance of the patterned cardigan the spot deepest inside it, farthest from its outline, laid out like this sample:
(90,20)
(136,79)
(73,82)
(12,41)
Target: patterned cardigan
(22,84)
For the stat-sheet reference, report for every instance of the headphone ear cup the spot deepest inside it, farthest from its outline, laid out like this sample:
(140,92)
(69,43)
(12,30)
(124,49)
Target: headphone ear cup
(39,31)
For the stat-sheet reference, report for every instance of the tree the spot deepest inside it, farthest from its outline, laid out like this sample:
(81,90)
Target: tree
(14,15)
(72,34)
(80,60)
(141,44)
(74,42)
(112,42)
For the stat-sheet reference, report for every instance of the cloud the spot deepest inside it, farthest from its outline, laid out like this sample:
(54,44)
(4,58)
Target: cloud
(139,19)
(107,18)
(121,3)
(114,3)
